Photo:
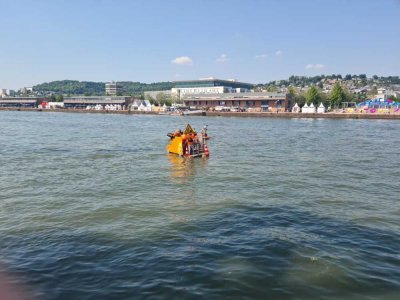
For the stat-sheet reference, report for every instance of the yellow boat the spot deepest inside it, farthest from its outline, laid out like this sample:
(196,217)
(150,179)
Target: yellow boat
(188,143)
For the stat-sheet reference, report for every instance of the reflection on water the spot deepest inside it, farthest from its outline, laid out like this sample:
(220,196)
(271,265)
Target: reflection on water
(183,170)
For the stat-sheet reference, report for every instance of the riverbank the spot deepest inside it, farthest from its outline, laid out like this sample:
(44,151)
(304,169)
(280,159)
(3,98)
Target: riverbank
(229,114)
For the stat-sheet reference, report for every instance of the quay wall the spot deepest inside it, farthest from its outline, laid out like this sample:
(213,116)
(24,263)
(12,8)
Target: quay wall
(229,114)
(307,115)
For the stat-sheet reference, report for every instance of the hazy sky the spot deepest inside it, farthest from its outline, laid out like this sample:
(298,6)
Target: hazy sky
(148,41)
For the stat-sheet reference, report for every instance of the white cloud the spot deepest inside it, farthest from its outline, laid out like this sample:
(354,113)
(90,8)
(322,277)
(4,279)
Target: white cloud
(182,60)
(223,58)
(261,56)
(315,66)
(279,53)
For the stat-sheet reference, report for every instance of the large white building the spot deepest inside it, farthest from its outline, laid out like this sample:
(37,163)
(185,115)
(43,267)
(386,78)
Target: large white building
(208,86)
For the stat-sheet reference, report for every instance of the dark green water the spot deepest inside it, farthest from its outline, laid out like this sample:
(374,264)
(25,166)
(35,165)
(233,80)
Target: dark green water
(92,207)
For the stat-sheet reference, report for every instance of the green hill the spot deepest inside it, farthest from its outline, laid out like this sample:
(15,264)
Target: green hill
(74,87)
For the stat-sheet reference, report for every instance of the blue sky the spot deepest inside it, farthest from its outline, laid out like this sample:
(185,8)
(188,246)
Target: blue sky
(148,41)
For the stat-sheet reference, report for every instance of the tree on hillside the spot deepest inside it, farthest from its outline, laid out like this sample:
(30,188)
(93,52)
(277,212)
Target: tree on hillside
(313,96)
(150,98)
(337,96)
(359,97)
(161,98)
(59,98)
(271,88)
(349,96)
(292,91)
(300,99)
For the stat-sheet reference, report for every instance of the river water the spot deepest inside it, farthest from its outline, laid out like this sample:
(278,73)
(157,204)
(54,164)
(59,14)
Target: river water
(92,207)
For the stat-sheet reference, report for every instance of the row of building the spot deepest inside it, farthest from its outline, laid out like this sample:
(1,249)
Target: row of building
(195,94)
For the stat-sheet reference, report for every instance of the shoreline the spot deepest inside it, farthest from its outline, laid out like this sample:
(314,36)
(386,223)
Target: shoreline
(288,115)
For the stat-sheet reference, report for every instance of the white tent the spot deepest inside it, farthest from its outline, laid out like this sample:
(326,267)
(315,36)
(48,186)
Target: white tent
(142,107)
(296,108)
(135,105)
(321,109)
(304,109)
(311,108)
(147,104)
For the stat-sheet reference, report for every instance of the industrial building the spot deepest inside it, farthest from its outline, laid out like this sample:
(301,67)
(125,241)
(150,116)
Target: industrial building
(21,102)
(211,93)
(262,102)
(81,102)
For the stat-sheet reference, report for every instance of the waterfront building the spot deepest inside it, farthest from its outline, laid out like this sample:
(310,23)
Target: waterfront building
(208,86)
(82,102)
(113,88)
(20,102)
(252,101)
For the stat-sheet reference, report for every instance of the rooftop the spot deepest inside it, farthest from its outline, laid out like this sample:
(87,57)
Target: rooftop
(236,96)
(212,82)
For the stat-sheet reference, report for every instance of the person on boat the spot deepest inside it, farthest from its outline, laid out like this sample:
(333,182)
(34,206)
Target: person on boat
(190,143)
(184,142)
(172,135)
(204,132)
(178,132)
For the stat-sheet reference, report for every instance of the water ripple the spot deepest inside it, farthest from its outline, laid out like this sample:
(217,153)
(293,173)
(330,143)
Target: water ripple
(95,209)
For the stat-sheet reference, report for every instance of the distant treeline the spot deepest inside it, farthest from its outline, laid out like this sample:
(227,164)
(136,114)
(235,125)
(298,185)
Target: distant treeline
(74,87)
(361,79)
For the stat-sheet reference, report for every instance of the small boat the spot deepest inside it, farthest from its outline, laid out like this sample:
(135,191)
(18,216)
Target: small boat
(194,112)
(188,143)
